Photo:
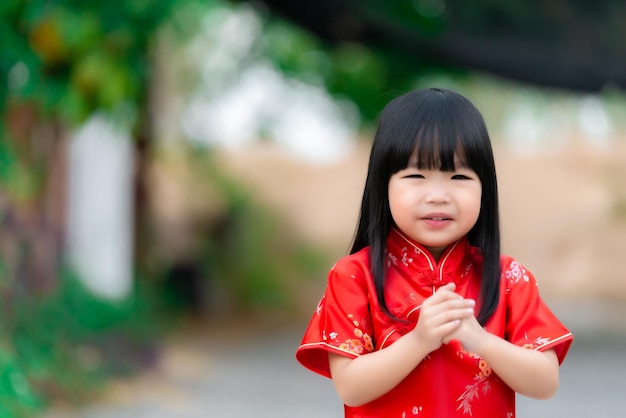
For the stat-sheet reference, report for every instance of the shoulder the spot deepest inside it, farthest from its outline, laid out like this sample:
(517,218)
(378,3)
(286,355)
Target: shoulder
(353,264)
(513,272)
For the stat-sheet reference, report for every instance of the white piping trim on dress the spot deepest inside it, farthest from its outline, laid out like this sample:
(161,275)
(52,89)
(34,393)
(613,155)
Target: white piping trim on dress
(428,258)
(551,342)
(412,310)
(446,258)
(334,347)
(382,344)
(413,245)
(444,262)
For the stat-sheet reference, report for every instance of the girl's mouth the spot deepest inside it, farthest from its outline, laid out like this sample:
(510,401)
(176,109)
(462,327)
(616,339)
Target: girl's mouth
(437,220)
(437,217)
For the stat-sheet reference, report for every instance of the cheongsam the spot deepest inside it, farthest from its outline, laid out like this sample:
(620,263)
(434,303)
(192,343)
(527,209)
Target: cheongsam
(449,382)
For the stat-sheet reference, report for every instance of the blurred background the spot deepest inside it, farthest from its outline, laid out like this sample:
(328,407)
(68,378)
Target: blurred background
(177,177)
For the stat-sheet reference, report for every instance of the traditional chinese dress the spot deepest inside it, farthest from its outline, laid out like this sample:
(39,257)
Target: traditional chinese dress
(449,382)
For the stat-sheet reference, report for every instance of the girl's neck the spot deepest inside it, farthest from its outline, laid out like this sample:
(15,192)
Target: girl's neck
(436,252)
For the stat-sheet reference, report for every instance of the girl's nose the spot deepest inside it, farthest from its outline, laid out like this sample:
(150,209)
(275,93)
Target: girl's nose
(437,194)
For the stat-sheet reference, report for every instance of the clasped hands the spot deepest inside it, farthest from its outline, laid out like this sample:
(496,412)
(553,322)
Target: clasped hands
(446,316)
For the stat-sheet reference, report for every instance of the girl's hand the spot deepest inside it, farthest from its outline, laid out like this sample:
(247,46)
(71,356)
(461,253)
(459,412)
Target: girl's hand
(440,315)
(469,333)
(530,372)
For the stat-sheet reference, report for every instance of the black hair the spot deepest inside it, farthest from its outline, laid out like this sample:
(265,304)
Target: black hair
(434,125)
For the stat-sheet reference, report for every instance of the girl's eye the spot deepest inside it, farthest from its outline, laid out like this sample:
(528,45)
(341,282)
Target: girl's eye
(414,176)
(460,177)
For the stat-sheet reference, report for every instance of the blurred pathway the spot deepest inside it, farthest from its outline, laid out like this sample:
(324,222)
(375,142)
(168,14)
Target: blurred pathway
(233,373)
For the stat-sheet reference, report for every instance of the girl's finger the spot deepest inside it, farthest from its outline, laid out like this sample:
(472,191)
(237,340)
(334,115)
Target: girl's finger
(443,293)
(448,286)
(436,306)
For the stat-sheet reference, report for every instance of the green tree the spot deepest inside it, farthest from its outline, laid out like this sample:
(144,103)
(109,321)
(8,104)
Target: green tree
(60,61)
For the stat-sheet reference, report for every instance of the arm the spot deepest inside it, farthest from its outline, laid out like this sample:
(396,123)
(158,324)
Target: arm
(440,314)
(529,372)
(353,378)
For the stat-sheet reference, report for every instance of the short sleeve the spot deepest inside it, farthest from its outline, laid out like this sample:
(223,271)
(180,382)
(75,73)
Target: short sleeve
(341,323)
(530,323)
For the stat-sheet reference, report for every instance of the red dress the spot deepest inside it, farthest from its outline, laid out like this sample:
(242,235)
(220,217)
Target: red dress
(449,382)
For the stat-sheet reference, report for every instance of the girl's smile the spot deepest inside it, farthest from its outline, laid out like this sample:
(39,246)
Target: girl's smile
(437,220)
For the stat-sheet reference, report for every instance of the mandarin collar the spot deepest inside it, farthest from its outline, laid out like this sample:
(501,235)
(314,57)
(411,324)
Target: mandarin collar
(408,256)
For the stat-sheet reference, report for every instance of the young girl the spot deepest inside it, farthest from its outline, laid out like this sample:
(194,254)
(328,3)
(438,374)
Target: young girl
(425,317)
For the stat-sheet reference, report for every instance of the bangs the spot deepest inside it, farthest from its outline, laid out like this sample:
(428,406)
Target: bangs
(433,131)
(437,151)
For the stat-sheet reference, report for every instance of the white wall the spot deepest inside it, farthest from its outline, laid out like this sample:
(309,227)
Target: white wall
(100,208)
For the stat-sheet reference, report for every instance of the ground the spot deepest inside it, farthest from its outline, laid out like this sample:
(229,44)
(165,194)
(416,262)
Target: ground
(239,371)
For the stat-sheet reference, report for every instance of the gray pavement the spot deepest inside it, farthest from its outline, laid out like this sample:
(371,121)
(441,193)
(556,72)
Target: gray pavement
(254,374)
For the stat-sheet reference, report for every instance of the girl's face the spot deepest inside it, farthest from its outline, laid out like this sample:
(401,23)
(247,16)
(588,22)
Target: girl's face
(433,207)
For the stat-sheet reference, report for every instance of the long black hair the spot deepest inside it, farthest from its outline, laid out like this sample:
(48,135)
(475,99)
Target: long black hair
(436,124)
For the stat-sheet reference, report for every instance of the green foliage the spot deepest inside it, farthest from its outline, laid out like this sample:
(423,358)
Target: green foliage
(19,180)
(295,52)
(64,345)
(423,16)
(251,252)
(62,60)
(16,394)
(72,57)
(365,74)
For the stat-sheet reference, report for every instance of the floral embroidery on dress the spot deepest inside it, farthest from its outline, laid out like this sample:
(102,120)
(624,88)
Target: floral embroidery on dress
(414,411)
(391,259)
(480,385)
(320,306)
(468,269)
(359,345)
(514,274)
(406,259)
(539,341)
